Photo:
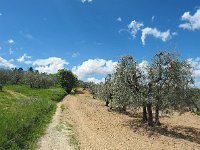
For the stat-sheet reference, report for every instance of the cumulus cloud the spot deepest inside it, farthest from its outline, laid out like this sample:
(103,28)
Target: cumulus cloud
(94,66)
(119,19)
(192,22)
(143,67)
(49,65)
(11,41)
(23,57)
(134,27)
(164,36)
(195,62)
(95,80)
(89,1)
(6,63)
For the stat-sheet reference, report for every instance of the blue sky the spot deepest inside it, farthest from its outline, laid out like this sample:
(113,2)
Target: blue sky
(89,36)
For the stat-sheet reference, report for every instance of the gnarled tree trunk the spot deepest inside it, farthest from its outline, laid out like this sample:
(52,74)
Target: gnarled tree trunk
(144,116)
(150,115)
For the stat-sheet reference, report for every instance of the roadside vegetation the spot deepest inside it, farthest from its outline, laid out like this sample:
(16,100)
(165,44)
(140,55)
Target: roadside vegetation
(27,102)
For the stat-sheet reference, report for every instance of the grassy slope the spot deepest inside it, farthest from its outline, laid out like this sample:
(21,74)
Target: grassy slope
(24,113)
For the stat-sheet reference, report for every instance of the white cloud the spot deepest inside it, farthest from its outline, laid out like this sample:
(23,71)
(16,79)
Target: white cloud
(94,66)
(6,63)
(164,36)
(143,67)
(75,54)
(11,41)
(89,1)
(191,22)
(119,19)
(152,18)
(196,66)
(1,14)
(26,35)
(23,57)
(134,27)
(11,60)
(95,80)
(49,65)
(174,33)
(11,51)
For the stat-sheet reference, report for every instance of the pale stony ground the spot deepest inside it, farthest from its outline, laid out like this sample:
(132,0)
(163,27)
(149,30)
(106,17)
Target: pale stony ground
(99,129)
(56,135)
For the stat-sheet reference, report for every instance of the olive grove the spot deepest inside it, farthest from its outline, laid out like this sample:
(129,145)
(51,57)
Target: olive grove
(165,83)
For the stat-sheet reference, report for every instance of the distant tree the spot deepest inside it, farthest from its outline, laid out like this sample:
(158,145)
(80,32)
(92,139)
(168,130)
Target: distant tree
(30,69)
(108,89)
(5,77)
(67,79)
(18,75)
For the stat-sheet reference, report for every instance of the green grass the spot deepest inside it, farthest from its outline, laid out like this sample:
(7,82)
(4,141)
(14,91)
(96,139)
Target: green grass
(72,138)
(24,114)
(62,107)
(198,113)
(70,133)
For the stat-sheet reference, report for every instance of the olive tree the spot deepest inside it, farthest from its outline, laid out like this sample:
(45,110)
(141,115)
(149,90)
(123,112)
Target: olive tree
(122,96)
(5,76)
(170,78)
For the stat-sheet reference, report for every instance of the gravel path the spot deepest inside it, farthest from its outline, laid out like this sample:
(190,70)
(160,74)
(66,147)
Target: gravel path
(56,136)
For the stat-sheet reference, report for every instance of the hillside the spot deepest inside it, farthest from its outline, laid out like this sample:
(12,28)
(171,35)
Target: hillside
(24,114)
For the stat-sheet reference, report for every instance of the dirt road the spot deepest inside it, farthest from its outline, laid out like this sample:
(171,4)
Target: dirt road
(56,136)
(99,129)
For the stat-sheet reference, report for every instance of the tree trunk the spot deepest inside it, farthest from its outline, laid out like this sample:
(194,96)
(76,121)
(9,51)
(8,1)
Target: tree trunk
(107,102)
(144,117)
(150,118)
(157,121)
(124,108)
(195,105)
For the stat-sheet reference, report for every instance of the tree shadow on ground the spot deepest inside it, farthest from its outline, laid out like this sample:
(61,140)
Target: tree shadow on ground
(79,92)
(178,132)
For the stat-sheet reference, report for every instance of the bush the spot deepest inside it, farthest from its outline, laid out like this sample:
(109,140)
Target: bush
(67,80)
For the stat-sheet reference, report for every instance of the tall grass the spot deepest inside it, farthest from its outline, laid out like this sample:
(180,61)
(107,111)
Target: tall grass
(24,114)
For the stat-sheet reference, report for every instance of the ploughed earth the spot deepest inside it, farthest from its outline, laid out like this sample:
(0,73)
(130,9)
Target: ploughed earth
(98,128)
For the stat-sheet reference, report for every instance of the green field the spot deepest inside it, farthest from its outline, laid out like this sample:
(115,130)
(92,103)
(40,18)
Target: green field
(24,114)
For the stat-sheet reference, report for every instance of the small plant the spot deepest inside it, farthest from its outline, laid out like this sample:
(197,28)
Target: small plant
(72,137)
(198,113)
(62,107)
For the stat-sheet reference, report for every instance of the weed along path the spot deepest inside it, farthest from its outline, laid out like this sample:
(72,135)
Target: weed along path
(96,128)
(58,133)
